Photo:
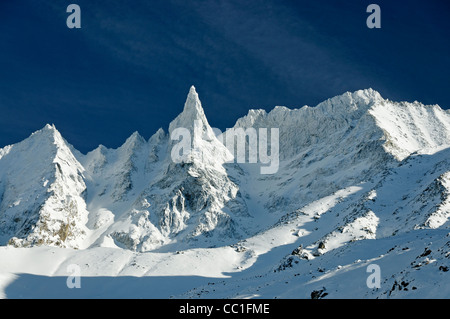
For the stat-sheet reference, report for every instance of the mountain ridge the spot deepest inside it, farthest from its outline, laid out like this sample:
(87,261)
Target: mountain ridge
(346,139)
(362,181)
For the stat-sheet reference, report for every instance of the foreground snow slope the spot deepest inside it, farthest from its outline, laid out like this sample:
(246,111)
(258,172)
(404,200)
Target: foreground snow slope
(362,180)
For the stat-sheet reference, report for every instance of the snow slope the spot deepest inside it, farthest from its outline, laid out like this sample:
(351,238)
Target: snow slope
(362,180)
(42,193)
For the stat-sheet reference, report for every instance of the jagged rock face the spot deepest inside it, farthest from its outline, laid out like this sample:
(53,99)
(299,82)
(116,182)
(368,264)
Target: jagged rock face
(343,141)
(194,202)
(137,197)
(191,204)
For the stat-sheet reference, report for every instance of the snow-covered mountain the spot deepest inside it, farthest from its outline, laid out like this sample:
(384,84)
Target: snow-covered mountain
(358,174)
(42,192)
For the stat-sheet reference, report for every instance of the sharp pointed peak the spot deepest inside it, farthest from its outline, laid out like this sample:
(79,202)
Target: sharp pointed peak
(192,90)
(158,136)
(193,103)
(134,138)
(48,130)
(135,135)
(50,127)
(192,111)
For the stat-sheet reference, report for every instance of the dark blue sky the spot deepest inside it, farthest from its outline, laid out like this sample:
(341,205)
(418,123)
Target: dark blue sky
(131,64)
